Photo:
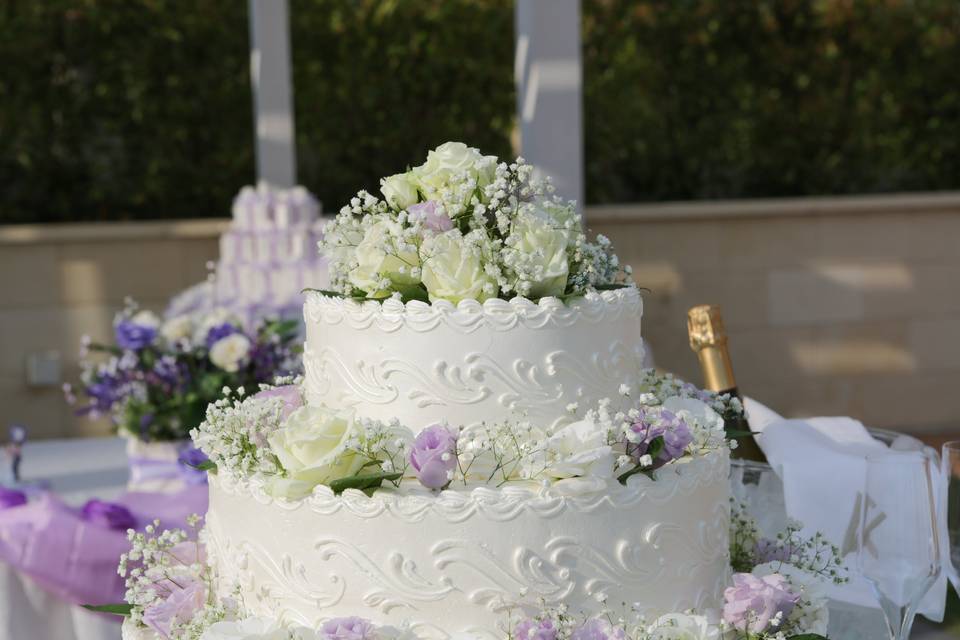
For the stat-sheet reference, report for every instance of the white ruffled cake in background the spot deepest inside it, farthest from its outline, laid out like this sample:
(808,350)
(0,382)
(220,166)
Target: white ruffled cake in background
(475,450)
(267,257)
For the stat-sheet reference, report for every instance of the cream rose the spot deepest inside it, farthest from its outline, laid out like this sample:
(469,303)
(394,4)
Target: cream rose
(679,626)
(400,190)
(378,257)
(176,329)
(451,159)
(229,352)
(312,448)
(453,271)
(579,450)
(545,250)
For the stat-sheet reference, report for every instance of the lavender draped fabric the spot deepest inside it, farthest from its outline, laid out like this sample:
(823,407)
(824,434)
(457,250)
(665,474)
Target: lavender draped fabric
(75,556)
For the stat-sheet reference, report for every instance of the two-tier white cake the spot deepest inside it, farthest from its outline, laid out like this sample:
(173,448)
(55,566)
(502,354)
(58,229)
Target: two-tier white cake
(459,560)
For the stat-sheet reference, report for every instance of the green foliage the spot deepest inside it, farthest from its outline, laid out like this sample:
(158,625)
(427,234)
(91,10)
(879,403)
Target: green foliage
(142,108)
(746,98)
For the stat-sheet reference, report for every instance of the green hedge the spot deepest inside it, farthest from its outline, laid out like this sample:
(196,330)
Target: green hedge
(141,108)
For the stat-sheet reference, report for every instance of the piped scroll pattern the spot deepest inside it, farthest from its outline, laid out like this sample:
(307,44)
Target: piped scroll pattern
(522,388)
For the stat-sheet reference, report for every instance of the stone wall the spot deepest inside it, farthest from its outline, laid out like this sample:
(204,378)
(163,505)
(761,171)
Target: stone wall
(834,306)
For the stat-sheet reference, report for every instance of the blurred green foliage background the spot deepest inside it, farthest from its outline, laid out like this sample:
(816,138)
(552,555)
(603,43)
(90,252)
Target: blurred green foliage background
(118,109)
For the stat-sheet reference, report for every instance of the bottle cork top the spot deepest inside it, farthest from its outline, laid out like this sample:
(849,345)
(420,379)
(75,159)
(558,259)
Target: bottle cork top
(705,327)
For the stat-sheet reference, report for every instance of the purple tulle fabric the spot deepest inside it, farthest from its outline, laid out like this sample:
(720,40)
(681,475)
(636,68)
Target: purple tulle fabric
(76,559)
(10,498)
(108,514)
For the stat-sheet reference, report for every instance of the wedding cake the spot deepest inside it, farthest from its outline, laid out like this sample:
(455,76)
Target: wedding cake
(474,444)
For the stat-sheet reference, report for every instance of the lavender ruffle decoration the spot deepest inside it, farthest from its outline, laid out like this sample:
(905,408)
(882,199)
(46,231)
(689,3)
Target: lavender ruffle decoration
(108,514)
(10,498)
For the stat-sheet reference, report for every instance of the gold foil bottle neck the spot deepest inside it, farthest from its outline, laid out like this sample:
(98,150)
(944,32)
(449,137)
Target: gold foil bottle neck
(705,327)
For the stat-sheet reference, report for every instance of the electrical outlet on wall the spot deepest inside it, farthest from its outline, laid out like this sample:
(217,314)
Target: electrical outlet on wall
(43,369)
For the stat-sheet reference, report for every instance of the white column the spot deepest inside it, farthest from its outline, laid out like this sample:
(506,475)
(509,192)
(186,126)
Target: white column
(272,99)
(549,75)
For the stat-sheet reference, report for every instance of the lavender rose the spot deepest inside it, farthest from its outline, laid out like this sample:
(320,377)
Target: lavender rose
(289,395)
(658,423)
(180,606)
(531,629)
(433,218)
(352,628)
(754,604)
(598,629)
(434,456)
(108,514)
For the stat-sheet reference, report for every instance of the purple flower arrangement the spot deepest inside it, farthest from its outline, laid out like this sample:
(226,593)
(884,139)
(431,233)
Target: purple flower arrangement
(157,378)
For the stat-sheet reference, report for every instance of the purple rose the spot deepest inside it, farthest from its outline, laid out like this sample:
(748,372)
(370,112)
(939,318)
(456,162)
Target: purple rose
(433,218)
(218,332)
(133,336)
(598,629)
(180,605)
(434,456)
(189,459)
(10,498)
(289,395)
(108,514)
(767,550)
(657,423)
(752,603)
(352,628)
(531,629)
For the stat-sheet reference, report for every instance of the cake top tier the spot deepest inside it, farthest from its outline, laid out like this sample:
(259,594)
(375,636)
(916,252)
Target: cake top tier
(265,208)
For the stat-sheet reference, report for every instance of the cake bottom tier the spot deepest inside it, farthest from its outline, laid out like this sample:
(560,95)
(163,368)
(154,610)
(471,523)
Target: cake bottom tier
(466,561)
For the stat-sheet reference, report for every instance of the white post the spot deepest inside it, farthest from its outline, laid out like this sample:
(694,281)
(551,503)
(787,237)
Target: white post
(272,104)
(549,91)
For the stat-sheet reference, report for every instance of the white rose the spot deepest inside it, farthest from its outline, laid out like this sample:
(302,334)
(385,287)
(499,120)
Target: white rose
(312,447)
(544,247)
(146,319)
(229,352)
(373,262)
(678,626)
(176,329)
(400,190)
(449,160)
(251,629)
(453,271)
(579,450)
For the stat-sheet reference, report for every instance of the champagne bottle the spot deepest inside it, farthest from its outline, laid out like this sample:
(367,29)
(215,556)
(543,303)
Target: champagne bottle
(708,339)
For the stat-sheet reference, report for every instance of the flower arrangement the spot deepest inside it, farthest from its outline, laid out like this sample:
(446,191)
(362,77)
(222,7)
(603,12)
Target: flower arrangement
(158,377)
(171,594)
(465,226)
(291,447)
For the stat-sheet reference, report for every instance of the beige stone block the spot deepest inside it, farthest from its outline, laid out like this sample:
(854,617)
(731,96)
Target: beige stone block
(41,411)
(918,235)
(23,331)
(934,290)
(106,272)
(29,277)
(912,403)
(196,255)
(684,243)
(767,243)
(936,343)
(804,297)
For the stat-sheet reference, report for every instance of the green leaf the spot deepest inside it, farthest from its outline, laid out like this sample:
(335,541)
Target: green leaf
(206,465)
(613,286)
(336,294)
(366,482)
(413,292)
(116,609)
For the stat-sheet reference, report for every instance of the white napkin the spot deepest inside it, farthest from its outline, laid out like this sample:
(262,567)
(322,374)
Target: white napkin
(821,462)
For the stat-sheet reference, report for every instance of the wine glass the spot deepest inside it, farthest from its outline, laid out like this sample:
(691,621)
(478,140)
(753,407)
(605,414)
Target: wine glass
(898,538)
(951,480)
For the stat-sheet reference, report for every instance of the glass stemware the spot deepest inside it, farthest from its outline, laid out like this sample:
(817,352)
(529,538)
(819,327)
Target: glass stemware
(899,547)
(950,466)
